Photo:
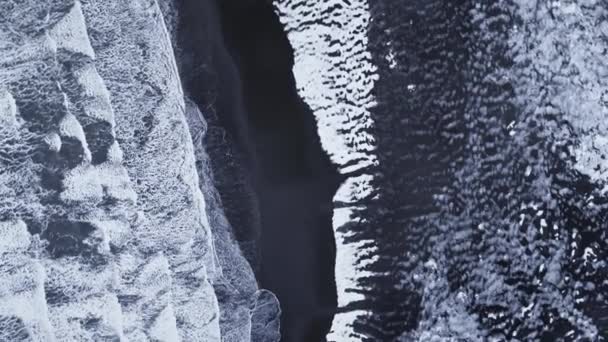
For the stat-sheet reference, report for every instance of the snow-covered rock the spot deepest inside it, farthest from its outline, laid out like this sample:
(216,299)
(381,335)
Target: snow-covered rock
(104,219)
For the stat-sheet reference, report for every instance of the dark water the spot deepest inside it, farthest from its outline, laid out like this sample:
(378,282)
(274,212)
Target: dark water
(275,181)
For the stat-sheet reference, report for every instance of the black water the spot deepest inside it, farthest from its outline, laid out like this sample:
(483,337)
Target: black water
(275,180)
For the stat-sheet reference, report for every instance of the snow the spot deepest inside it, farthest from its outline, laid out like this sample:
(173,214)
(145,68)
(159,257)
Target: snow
(70,33)
(113,233)
(355,189)
(22,296)
(8,109)
(335,87)
(21,286)
(70,127)
(342,330)
(90,183)
(85,293)
(163,328)
(96,94)
(335,77)
(136,62)
(115,154)
(53,141)
(145,272)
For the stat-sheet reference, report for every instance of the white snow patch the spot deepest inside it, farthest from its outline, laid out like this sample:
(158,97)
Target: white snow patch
(335,87)
(29,51)
(335,77)
(113,233)
(342,327)
(89,295)
(8,109)
(21,285)
(355,189)
(115,154)
(70,127)
(70,33)
(351,259)
(163,329)
(53,141)
(22,295)
(88,183)
(13,236)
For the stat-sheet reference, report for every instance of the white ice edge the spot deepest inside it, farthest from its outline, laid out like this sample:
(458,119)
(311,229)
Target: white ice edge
(337,87)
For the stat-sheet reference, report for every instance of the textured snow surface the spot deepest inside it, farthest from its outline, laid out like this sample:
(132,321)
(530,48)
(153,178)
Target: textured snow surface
(104,233)
(565,43)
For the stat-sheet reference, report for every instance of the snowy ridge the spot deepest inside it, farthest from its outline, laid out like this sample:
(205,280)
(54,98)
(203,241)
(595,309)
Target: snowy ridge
(121,247)
(335,76)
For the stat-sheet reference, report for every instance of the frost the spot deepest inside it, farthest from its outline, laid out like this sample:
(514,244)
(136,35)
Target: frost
(136,62)
(561,56)
(123,242)
(22,302)
(80,295)
(113,233)
(30,50)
